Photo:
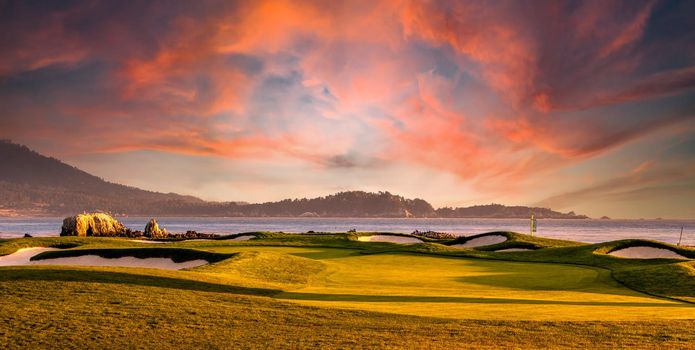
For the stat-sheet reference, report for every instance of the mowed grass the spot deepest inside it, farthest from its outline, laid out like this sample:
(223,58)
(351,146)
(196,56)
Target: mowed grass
(333,292)
(460,288)
(53,307)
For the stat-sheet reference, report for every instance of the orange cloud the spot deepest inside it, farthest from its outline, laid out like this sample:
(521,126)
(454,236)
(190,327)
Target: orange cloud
(390,80)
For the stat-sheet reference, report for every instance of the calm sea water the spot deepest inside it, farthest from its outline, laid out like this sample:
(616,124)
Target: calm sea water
(590,231)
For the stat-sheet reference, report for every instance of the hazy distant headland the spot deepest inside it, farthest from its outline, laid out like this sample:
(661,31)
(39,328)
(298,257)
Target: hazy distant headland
(35,185)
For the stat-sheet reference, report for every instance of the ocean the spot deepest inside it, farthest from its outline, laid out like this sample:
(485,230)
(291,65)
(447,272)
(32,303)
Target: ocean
(590,231)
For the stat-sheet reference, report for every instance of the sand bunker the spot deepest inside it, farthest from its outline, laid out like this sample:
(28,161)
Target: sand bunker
(513,250)
(646,253)
(147,242)
(23,256)
(482,241)
(126,261)
(389,238)
(244,238)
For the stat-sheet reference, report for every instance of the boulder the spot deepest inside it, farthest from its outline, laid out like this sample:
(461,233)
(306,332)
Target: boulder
(152,230)
(93,224)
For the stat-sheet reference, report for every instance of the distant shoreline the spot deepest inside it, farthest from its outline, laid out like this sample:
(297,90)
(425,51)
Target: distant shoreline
(311,217)
(147,216)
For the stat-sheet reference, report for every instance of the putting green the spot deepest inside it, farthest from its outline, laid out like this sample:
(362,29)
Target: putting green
(463,288)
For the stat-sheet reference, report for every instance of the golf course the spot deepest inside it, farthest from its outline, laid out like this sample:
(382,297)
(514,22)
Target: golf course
(345,290)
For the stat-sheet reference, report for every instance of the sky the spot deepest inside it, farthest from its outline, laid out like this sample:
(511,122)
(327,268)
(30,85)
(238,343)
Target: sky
(586,106)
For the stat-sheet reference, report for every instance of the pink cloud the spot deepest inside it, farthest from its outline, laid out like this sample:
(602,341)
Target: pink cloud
(364,70)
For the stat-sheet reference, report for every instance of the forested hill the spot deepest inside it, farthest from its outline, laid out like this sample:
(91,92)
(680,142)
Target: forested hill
(503,211)
(33,184)
(344,204)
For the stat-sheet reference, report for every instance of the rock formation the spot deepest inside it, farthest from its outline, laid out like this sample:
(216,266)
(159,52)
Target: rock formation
(434,234)
(152,230)
(193,235)
(93,224)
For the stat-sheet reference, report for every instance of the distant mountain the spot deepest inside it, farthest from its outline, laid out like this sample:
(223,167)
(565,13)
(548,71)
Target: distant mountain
(33,184)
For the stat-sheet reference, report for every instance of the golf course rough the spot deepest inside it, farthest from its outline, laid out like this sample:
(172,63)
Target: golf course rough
(327,291)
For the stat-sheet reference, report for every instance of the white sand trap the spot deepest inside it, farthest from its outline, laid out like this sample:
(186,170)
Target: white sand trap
(126,261)
(147,242)
(389,238)
(513,250)
(646,253)
(22,256)
(482,241)
(244,238)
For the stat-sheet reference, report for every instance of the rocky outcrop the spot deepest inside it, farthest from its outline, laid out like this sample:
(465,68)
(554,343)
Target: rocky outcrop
(193,235)
(93,224)
(104,225)
(434,234)
(152,230)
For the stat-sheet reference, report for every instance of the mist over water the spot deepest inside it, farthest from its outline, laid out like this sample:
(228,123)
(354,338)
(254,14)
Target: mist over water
(590,231)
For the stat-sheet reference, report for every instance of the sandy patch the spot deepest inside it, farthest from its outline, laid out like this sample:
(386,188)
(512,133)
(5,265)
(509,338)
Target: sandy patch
(22,256)
(646,253)
(126,261)
(389,238)
(482,241)
(147,242)
(513,250)
(244,238)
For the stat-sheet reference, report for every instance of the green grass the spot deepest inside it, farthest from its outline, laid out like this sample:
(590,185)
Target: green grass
(39,313)
(480,289)
(331,291)
(673,280)
(265,269)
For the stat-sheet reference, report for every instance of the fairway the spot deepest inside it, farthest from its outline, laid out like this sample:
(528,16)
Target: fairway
(332,291)
(463,288)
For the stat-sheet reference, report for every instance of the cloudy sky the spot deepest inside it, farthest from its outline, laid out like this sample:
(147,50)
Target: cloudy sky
(578,105)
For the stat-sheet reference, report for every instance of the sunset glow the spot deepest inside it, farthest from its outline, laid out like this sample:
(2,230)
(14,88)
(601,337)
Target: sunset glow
(584,106)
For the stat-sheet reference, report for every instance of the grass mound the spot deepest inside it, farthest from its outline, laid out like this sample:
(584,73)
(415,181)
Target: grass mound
(609,247)
(266,268)
(672,280)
